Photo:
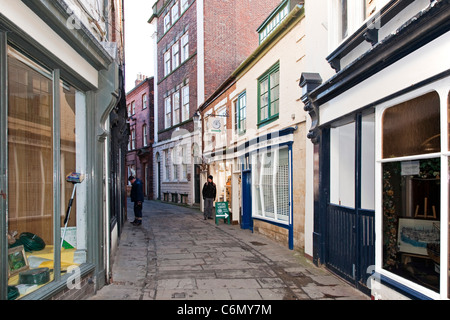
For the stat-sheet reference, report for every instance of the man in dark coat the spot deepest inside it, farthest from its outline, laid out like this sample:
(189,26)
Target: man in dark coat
(209,196)
(137,196)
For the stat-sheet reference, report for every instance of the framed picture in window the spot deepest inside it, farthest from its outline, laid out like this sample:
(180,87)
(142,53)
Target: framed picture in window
(415,234)
(17,260)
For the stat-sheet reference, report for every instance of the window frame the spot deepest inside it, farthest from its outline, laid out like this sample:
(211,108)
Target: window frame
(168,112)
(184,49)
(167,62)
(144,101)
(144,136)
(444,155)
(176,107)
(185,111)
(167,22)
(241,129)
(175,12)
(267,76)
(175,55)
(257,182)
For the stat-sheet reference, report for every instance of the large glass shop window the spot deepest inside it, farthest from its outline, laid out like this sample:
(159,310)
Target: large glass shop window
(31,253)
(271,185)
(411,190)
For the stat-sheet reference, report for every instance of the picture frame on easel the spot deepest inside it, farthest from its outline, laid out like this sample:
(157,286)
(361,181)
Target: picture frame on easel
(17,260)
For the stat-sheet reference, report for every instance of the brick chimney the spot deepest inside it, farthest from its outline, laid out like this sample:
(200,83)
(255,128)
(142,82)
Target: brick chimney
(140,77)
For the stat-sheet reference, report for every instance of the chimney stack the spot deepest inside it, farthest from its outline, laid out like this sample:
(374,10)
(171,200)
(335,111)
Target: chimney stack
(139,79)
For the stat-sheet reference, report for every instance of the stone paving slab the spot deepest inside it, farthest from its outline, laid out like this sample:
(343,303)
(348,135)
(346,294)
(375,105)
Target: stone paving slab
(176,255)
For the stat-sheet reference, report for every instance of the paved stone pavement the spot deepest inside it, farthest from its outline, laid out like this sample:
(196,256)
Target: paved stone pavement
(177,255)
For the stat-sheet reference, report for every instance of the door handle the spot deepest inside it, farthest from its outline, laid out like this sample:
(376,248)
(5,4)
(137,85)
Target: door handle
(3,195)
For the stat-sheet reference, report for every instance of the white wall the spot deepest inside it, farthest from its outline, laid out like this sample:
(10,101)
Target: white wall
(26,19)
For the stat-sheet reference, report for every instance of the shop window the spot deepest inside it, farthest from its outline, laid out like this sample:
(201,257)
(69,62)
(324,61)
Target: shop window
(271,185)
(411,190)
(412,127)
(30,170)
(33,256)
(342,168)
(411,220)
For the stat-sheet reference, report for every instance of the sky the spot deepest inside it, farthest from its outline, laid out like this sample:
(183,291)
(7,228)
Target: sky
(139,52)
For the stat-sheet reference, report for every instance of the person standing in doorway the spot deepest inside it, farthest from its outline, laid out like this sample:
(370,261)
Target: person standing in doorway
(137,196)
(209,196)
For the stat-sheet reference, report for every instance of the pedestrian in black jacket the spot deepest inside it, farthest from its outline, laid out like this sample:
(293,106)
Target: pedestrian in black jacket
(137,196)
(209,196)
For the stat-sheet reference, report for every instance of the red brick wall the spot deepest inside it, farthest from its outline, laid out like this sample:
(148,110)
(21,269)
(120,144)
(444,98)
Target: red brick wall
(230,36)
(186,72)
(141,117)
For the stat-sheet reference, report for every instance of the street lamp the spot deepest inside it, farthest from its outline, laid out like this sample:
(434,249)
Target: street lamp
(196,117)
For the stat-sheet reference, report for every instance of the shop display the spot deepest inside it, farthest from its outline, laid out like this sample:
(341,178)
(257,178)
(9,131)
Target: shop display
(17,260)
(411,206)
(35,276)
(13,293)
(31,242)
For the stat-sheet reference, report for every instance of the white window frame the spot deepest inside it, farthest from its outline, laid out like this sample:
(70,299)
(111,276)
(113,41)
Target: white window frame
(356,16)
(184,55)
(166,166)
(185,103)
(167,63)
(184,5)
(442,89)
(167,22)
(144,101)
(168,112)
(174,164)
(259,173)
(144,135)
(175,12)
(176,55)
(176,107)
(133,139)
(185,162)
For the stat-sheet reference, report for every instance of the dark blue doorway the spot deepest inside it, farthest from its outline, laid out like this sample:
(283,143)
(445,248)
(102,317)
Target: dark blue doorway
(246,215)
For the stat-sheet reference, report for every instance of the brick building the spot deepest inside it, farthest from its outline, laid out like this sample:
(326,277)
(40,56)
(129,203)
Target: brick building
(139,160)
(198,45)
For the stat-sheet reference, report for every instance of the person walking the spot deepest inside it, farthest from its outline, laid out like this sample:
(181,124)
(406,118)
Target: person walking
(137,196)
(209,196)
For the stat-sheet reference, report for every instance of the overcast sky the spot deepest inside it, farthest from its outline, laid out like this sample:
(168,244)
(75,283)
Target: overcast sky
(139,57)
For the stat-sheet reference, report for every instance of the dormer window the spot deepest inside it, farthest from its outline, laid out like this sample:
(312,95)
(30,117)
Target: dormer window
(273,20)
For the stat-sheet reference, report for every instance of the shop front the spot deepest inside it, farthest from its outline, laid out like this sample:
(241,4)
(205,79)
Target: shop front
(381,133)
(53,146)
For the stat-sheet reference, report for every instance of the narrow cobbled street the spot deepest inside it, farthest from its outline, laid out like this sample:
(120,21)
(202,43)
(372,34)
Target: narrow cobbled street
(176,255)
